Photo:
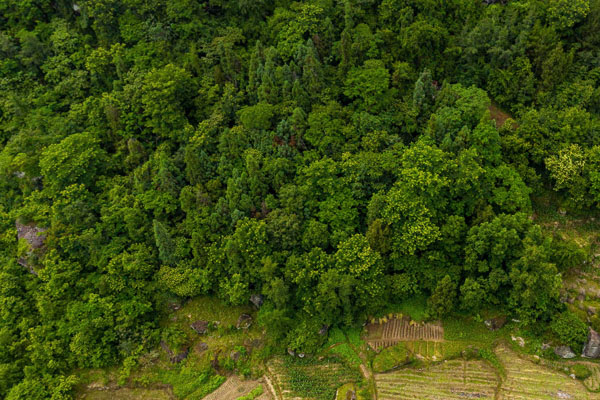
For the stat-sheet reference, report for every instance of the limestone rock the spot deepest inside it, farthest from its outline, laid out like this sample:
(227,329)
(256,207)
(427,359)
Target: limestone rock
(564,352)
(592,346)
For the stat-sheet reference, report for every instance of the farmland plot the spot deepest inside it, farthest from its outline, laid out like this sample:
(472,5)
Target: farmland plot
(402,330)
(526,380)
(593,382)
(456,379)
(234,387)
(295,378)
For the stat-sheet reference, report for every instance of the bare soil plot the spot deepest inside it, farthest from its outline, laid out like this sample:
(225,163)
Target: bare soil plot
(527,380)
(456,379)
(397,330)
(234,387)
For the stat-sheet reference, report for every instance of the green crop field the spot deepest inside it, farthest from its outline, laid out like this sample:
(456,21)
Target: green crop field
(309,378)
(456,379)
(526,380)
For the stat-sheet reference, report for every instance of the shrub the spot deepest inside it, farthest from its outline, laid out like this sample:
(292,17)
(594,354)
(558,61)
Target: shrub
(570,330)
(391,357)
(581,371)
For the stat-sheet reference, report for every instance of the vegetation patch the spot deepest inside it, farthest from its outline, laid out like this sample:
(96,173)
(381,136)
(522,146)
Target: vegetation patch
(527,380)
(391,357)
(456,379)
(310,378)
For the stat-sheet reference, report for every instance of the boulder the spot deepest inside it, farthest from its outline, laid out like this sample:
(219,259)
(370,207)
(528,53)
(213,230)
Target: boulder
(174,358)
(494,324)
(257,300)
(520,341)
(181,356)
(564,352)
(200,327)
(591,349)
(244,321)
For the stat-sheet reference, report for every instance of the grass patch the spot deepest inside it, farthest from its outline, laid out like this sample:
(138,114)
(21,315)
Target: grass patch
(342,392)
(347,353)
(254,393)
(190,383)
(390,358)
(467,329)
(415,307)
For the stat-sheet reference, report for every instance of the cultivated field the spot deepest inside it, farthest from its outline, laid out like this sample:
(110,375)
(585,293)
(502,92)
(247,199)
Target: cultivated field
(593,382)
(397,330)
(455,379)
(126,394)
(526,380)
(234,387)
(294,378)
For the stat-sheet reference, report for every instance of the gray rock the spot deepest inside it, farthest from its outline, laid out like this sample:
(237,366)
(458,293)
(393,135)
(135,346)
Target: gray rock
(257,300)
(592,346)
(324,329)
(32,234)
(564,352)
(494,324)
(244,321)
(563,395)
(200,327)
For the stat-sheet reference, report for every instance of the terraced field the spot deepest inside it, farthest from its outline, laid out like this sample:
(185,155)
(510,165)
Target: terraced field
(456,379)
(234,387)
(593,382)
(526,380)
(294,378)
(402,330)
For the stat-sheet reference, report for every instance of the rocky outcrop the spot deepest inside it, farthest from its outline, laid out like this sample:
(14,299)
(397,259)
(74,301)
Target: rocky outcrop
(257,300)
(244,321)
(33,234)
(200,327)
(495,323)
(564,352)
(175,358)
(35,238)
(592,346)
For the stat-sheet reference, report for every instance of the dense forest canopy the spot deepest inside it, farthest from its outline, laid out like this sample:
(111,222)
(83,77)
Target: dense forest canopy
(333,156)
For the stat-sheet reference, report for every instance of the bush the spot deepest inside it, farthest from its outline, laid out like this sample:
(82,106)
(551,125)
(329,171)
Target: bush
(391,357)
(570,330)
(581,371)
